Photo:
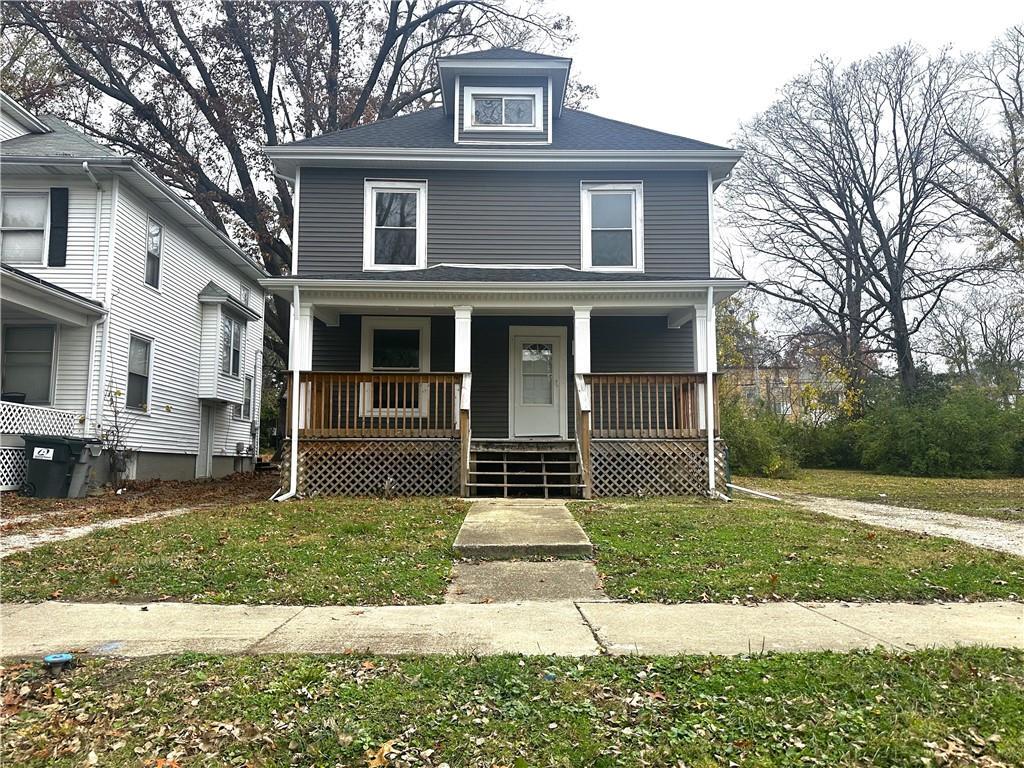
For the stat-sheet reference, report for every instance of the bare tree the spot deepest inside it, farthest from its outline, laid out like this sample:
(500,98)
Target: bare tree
(841,198)
(988,126)
(195,90)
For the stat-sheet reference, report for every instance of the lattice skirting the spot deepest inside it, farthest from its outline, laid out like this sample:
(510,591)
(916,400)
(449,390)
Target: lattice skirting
(654,467)
(376,467)
(12,468)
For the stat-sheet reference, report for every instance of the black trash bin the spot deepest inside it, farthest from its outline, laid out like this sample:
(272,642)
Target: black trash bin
(50,461)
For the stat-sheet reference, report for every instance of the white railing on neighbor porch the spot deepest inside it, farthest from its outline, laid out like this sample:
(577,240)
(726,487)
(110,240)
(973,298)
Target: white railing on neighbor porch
(19,419)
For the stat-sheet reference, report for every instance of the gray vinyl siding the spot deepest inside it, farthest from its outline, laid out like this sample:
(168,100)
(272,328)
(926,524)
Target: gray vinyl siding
(337,347)
(507,217)
(468,133)
(640,345)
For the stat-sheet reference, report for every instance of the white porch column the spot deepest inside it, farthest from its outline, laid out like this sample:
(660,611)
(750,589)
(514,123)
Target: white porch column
(706,349)
(463,339)
(581,339)
(294,354)
(304,338)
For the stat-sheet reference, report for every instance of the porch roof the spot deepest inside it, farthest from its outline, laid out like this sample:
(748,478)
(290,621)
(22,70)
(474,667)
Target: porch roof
(445,286)
(43,297)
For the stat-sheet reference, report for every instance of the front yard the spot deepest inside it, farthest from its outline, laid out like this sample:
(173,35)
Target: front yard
(1001,498)
(338,551)
(366,551)
(942,708)
(684,550)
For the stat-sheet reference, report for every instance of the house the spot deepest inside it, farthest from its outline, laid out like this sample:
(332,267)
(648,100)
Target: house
(794,392)
(119,300)
(503,295)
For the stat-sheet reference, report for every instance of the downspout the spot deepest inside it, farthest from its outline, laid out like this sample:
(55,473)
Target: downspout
(293,403)
(90,379)
(108,299)
(709,389)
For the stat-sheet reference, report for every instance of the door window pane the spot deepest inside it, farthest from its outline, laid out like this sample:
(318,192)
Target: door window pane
(23,223)
(138,373)
(537,367)
(28,362)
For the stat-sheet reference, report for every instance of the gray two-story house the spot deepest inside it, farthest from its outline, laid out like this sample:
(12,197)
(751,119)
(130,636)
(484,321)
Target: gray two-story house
(503,296)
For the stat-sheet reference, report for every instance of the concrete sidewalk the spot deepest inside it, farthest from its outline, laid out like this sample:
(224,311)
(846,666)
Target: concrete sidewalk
(564,628)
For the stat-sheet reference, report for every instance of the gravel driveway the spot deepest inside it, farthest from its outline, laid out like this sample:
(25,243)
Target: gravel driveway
(1001,535)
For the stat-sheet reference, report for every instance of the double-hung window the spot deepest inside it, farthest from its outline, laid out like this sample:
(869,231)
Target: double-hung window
(23,221)
(395,224)
(395,345)
(28,362)
(154,251)
(243,410)
(230,346)
(139,362)
(612,226)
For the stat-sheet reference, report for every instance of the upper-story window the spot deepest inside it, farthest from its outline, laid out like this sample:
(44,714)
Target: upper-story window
(230,346)
(612,226)
(504,109)
(154,252)
(395,225)
(23,225)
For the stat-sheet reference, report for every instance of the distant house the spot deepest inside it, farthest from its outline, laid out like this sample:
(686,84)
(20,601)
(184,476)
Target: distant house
(794,392)
(503,295)
(114,289)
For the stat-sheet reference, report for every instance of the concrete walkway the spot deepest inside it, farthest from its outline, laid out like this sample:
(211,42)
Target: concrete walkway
(505,529)
(1000,535)
(19,542)
(562,628)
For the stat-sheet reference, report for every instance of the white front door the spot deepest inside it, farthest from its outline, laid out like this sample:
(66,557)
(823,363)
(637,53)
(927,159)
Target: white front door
(537,382)
(204,459)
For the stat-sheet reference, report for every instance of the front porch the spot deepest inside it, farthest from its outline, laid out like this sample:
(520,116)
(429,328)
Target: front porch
(568,401)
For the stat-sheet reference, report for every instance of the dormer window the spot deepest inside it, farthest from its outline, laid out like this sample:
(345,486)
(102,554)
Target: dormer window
(503,109)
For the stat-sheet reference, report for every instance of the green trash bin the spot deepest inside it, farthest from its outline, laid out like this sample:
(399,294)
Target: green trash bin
(50,460)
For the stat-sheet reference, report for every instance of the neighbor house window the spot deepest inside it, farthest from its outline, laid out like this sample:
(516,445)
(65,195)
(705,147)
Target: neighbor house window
(230,346)
(395,227)
(28,362)
(509,109)
(612,226)
(395,345)
(154,248)
(139,359)
(243,295)
(243,410)
(23,226)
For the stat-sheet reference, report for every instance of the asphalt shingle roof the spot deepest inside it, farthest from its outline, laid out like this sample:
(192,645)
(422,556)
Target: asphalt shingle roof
(63,140)
(501,54)
(574,130)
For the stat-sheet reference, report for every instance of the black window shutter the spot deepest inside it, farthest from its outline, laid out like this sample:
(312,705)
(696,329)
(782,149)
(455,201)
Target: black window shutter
(58,251)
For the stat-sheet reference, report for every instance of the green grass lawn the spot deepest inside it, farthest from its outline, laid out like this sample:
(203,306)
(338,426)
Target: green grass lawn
(337,551)
(1001,498)
(680,550)
(951,708)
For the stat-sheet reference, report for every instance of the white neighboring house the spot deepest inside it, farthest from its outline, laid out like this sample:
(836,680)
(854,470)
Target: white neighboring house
(111,284)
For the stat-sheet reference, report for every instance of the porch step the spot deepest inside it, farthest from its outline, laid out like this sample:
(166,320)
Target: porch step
(533,468)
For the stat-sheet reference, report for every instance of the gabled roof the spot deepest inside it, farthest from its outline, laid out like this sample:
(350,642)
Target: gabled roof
(214,294)
(431,129)
(28,121)
(502,54)
(61,139)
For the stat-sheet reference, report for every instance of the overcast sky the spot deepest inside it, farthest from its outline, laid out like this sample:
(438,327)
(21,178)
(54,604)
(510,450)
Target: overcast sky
(698,68)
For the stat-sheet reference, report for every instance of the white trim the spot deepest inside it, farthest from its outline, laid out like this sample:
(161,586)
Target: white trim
(295,221)
(711,224)
(709,400)
(457,115)
(29,121)
(463,338)
(505,154)
(502,92)
(370,188)
(581,339)
(587,188)
(551,112)
(149,371)
(240,325)
(371,323)
(559,397)
(554,62)
(44,260)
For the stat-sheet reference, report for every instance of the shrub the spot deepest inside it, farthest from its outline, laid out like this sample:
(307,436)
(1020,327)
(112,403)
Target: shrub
(757,440)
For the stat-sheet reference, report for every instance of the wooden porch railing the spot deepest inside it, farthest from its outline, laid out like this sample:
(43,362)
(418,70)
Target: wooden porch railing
(648,405)
(378,405)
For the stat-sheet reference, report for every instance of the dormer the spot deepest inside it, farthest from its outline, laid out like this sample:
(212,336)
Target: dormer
(503,96)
